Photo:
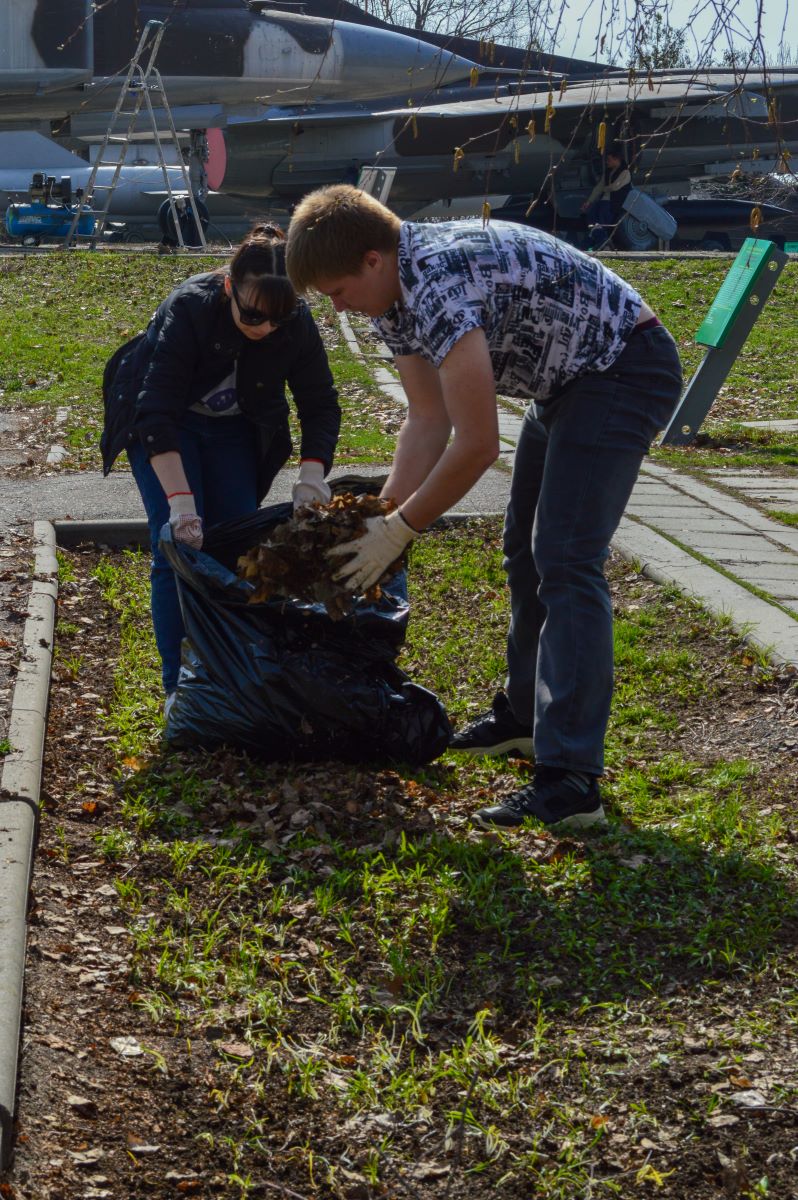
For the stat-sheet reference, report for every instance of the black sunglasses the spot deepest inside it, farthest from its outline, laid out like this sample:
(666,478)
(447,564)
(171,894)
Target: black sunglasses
(254,316)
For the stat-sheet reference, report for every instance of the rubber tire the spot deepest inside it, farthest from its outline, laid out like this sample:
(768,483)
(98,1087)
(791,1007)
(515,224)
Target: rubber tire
(632,234)
(714,243)
(167,224)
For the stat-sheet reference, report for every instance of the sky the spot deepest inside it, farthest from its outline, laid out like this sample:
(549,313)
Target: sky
(710,25)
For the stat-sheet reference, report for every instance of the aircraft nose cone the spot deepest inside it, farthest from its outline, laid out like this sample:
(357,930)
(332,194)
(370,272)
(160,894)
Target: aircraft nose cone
(384,63)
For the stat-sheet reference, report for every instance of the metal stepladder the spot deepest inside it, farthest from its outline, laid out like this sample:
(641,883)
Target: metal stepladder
(140,82)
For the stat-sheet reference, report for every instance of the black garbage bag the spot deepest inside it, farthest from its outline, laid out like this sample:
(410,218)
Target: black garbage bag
(281,679)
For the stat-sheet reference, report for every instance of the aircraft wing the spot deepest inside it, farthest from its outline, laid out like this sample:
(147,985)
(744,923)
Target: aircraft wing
(649,92)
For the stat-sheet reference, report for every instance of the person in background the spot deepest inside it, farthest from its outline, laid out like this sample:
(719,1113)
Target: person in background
(198,402)
(470,309)
(604,206)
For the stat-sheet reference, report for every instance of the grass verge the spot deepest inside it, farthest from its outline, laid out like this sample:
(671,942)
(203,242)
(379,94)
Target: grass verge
(64,315)
(339,989)
(51,363)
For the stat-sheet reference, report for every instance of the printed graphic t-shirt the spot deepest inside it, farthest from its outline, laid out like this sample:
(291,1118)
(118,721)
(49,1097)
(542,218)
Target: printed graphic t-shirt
(549,312)
(220,401)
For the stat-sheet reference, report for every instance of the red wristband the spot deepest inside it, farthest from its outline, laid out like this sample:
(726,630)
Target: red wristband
(169,495)
(318,460)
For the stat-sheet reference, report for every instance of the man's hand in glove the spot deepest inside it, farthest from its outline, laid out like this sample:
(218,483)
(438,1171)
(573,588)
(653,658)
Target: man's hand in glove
(185,523)
(310,486)
(382,543)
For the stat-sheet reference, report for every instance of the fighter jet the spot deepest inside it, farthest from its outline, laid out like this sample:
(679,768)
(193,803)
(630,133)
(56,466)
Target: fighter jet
(65,59)
(530,140)
(297,101)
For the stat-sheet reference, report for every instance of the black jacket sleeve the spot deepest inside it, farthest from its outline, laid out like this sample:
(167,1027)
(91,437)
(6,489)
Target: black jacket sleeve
(315,395)
(174,348)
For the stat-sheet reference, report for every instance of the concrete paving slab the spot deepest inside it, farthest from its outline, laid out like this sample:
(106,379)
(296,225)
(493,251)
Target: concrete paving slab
(737,473)
(777,573)
(744,547)
(693,526)
(779,426)
(736,554)
(788,597)
(771,495)
(652,509)
(732,508)
(509,425)
(767,626)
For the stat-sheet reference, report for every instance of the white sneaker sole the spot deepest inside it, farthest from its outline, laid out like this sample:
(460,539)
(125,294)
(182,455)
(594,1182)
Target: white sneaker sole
(522,745)
(583,820)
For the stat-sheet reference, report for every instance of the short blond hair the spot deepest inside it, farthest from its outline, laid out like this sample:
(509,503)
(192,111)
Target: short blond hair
(332,230)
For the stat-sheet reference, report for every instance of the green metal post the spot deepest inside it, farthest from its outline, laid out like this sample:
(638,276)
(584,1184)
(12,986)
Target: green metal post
(731,317)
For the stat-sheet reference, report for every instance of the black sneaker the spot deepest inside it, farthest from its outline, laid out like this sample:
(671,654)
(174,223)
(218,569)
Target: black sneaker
(566,799)
(497,732)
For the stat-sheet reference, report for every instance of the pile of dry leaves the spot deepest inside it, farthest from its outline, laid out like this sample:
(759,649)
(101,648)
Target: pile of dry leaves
(292,563)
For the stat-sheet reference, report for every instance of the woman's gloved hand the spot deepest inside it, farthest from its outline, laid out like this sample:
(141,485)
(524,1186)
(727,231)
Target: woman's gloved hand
(310,486)
(184,520)
(382,543)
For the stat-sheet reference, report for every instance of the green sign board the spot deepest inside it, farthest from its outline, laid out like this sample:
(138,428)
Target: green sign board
(735,291)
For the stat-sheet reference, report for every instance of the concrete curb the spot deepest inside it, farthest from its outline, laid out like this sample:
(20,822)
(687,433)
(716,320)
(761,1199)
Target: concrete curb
(384,379)
(19,807)
(114,533)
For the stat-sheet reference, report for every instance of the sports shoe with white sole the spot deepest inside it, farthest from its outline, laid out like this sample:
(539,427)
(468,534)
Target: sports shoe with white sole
(495,732)
(565,799)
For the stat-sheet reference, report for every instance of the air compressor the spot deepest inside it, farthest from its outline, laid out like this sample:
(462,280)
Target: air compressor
(48,212)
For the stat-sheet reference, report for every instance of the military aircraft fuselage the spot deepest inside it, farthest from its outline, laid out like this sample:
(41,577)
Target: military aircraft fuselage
(671,129)
(213,52)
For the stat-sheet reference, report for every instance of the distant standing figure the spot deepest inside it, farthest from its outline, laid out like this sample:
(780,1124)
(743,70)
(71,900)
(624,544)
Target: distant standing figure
(604,206)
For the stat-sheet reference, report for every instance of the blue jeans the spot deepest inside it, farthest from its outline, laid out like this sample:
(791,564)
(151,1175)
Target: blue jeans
(220,462)
(575,466)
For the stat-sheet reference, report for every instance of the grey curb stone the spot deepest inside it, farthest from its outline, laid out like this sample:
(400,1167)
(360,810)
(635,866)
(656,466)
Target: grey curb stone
(19,800)
(104,533)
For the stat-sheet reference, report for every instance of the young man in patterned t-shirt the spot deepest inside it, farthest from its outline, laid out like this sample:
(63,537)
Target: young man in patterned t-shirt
(469,310)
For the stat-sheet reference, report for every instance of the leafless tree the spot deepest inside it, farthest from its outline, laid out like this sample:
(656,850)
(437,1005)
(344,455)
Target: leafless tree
(512,22)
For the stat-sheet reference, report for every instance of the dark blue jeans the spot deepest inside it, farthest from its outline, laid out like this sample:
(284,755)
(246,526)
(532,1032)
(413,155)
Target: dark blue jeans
(575,466)
(220,462)
(602,218)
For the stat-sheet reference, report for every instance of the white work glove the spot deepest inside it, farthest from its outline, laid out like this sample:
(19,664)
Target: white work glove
(310,486)
(186,525)
(382,543)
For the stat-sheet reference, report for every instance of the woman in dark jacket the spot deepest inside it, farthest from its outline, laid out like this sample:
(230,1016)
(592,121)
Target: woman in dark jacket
(198,402)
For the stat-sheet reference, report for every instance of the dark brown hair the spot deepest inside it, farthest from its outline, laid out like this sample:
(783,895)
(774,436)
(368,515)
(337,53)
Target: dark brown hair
(259,265)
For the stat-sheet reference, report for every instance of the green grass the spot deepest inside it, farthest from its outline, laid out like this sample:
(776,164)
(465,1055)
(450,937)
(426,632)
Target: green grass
(786,518)
(64,315)
(761,384)
(502,1007)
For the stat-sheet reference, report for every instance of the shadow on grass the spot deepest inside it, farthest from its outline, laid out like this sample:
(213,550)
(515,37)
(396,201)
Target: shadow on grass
(506,920)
